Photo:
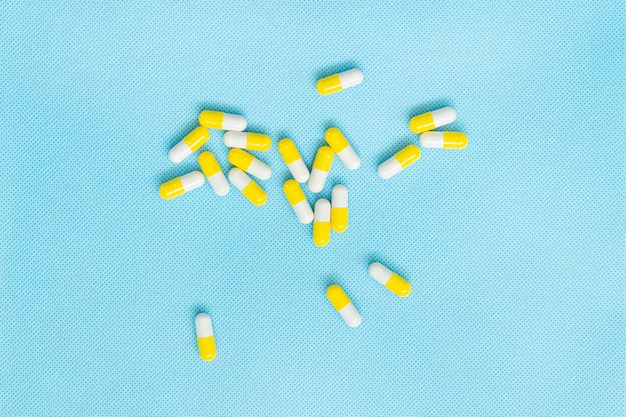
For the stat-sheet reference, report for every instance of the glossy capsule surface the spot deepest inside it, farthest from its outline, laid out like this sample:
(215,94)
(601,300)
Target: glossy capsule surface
(339,209)
(250,189)
(293,160)
(243,160)
(401,160)
(341,302)
(340,145)
(190,143)
(213,172)
(392,281)
(298,201)
(432,120)
(321,222)
(247,140)
(337,82)
(205,337)
(321,166)
(222,121)
(443,140)
(181,185)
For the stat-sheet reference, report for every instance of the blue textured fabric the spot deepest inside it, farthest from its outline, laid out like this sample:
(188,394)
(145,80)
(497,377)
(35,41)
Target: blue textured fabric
(514,246)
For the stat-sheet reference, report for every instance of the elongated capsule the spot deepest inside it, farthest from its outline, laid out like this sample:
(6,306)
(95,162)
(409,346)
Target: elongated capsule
(213,171)
(338,82)
(247,140)
(222,121)
(401,160)
(432,120)
(293,160)
(392,281)
(339,210)
(341,302)
(181,185)
(298,201)
(205,337)
(321,222)
(242,159)
(190,143)
(321,166)
(250,189)
(340,145)
(445,140)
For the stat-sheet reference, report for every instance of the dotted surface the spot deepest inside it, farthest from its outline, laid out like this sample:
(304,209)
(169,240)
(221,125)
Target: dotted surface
(514,246)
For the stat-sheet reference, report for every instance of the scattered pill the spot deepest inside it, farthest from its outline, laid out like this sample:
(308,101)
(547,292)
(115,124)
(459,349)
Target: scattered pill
(213,171)
(445,140)
(392,281)
(205,337)
(321,222)
(343,305)
(222,121)
(298,201)
(293,160)
(190,143)
(431,120)
(321,166)
(339,210)
(340,145)
(401,160)
(250,189)
(181,185)
(247,140)
(338,82)
(242,159)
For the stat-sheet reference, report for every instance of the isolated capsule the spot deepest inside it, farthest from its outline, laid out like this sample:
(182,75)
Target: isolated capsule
(222,121)
(432,120)
(445,140)
(321,222)
(250,189)
(339,210)
(401,160)
(190,143)
(205,337)
(293,160)
(340,145)
(181,185)
(341,302)
(321,166)
(338,82)
(298,201)
(213,171)
(247,140)
(392,281)
(242,159)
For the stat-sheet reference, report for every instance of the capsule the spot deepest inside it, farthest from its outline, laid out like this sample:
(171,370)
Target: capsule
(392,281)
(298,201)
(293,160)
(445,140)
(321,222)
(340,145)
(242,159)
(321,166)
(338,82)
(190,143)
(431,120)
(341,302)
(214,173)
(222,121)
(401,160)
(250,189)
(247,140)
(339,210)
(181,185)
(205,337)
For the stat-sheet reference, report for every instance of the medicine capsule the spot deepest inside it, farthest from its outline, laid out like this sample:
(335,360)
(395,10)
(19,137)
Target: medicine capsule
(222,121)
(321,166)
(293,160)
(205,337)
(392,281)
(213,172)
(321,222)
(401,160)
(298,201)
(340,145)
(242,159)
(181,185)
(339,210)
(190,143)
(445,140)
(247,140)
(250,189)
(431,120)
(338,82)
(343,305)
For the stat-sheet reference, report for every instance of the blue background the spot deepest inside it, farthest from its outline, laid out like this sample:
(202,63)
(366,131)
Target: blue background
(514,246)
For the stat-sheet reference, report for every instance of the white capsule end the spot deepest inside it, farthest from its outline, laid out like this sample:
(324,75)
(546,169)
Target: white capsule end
(389,168)
(179,152)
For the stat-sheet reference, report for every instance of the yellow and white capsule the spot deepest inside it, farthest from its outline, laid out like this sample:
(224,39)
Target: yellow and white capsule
(321,222)
(205,337)
(242,159)
(445,140)
(392,281)
(222,121)
(190,143)
(340,145)
(181,185)
(321,166)
(343,305)
(432,120)
(338,82)
(293,160)
(213,171)
(298,201)
(339,210)
(247,140)
(401,160)
(250,189)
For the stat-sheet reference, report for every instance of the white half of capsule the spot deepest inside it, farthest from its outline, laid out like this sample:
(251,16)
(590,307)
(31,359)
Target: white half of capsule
(234,122)
(239,178)
(349,158)
(304,212)
(351,315)
(179,152)
(259,169)
(299,170)
(443,116)
(380,272)
(204,325)
(192,180)
(219,183)
(317,180)
(322,210)
(389,168)
(350,78)
(234,139)
(340,196)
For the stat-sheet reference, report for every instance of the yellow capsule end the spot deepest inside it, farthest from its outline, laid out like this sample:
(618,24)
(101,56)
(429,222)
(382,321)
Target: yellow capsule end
(171,189)
(329,85)
(208,164)
(197,137)
(324,159)
(339,219)
(288,151)
(206,348)
(294,192)
(398,285)
(258,142)
(337,297)
(211,119)
(336,140)
(240,158)
(422,123)
(454,140)
(254,193)
(321,233)
(408,155)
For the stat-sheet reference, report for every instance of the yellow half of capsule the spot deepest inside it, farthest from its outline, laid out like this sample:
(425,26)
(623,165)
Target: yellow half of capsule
(321,233)
(294,192)
(197,137)
(398,285)
(408,155)
(336,140)
(288,151)
(254,193)
(339,219)
(324,159)
(209,164)
(329,85)
(337,297)
(206,348)
(240,158)
(258,142)
(422,123)
(211,119)
(171,189)
(454,140)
